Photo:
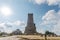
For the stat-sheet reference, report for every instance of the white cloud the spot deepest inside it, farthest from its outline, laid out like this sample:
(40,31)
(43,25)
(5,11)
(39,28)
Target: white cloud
(18,23)
(2,24)
(5,26)
(49,15)
(41,31)
(52,18)
(53,2)
(49,2)
(15,23)
(7,30)
(39,1)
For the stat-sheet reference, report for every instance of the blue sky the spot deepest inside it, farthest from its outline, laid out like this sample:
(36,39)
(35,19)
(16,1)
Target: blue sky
(46,15)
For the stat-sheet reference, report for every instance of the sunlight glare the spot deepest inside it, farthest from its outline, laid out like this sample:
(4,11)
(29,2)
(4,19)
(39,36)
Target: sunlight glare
(6,11)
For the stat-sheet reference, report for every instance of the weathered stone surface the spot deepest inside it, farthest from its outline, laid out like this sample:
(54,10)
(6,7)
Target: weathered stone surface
(30,28)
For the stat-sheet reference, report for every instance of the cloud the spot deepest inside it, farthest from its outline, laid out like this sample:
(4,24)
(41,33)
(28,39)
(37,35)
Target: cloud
(19,23)
(7,26)
(41,31)
(40,1)
(53,2)
(49,2)
(2,25)
(51,19)
(7,30)
(15,23)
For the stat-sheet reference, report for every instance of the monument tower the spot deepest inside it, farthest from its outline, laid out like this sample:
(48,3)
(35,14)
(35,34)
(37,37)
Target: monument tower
(30,28)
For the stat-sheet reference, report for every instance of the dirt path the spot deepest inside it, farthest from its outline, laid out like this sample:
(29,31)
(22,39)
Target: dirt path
(9,38)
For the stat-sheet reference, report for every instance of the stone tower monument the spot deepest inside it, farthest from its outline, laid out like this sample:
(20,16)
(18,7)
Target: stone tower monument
(30,28)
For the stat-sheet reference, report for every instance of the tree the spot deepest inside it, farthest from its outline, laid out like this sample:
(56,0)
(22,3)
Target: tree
(16,32)
(49,33)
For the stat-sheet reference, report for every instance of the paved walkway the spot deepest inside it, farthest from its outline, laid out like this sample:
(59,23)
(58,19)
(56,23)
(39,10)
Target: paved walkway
(9,38)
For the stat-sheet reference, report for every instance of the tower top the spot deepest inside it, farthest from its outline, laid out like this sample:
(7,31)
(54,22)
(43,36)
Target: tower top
(30,13)
(30,18)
